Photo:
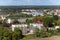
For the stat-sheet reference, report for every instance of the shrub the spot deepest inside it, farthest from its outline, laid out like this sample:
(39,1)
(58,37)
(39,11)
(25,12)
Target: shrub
(42,33)
(45,34)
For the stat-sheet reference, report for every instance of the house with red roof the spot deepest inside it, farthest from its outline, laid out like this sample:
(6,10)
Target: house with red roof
(38,24)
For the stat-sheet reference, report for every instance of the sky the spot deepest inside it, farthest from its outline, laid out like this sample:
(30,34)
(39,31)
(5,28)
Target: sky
(28,2)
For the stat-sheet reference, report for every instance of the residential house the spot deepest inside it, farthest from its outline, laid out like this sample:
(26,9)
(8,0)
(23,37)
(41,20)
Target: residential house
(38,25)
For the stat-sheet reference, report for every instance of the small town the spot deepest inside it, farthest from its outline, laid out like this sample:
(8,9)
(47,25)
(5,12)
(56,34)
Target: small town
(32,23)
(29,19)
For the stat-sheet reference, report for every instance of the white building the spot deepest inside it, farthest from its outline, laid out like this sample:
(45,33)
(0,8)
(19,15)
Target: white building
(36,25)
(9,21)
(37,13)
(28,29)
(23,27)
(28,13)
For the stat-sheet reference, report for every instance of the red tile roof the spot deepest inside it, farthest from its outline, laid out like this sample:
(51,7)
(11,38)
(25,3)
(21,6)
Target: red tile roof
(39,22)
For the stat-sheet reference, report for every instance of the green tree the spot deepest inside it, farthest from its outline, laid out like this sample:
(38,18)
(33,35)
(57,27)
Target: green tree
(28,21)
(5,34)
(17,34)
(58,22)
(47,20)
(42,33)
(1,33)
(55,17)
(15,22)
(35,19)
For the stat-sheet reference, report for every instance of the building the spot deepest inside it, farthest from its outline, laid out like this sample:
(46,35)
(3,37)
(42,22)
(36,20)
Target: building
(28,29)
(23,27)
(38,25)
(37,13)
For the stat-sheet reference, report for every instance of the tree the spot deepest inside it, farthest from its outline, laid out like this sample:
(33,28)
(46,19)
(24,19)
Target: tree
(17,34)
(28,21)
(15,22)
(58,22)
(35,19)
(19,15)
(4,24)
(0,21)
(47,20)
(55,17)
(5,34)
(1,33)
(42,33)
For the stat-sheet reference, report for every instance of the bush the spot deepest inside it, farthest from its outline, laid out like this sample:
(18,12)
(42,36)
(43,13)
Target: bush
(42,33)
(30,36)
(58,30)
(52,32)
(45,34)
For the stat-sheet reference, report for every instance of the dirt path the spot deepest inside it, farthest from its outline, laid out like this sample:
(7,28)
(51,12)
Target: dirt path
(54,38)
(50,38)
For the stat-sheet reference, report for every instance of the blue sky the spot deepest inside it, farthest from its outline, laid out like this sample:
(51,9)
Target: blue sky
(28,2)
